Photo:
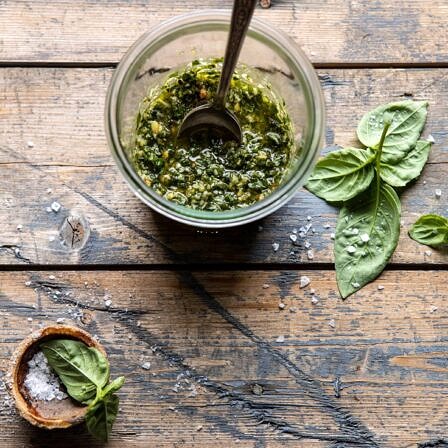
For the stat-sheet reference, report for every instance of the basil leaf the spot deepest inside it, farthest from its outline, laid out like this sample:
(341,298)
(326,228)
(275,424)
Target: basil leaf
(113,387)
(81,369)
(408,118)
(408,168)
(101,416)
(366,236)
(431,230)
(343,174)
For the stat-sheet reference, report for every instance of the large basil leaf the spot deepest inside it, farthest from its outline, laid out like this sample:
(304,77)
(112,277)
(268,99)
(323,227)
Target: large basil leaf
(101,416)
(431,230)
(366,236)
(81,369)
(408,118)
(343,174)
(408,168)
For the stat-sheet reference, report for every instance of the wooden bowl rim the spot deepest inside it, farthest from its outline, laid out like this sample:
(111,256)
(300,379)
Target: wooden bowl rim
(12,378)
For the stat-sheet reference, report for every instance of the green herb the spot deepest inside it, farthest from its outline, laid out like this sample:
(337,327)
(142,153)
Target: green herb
(81,369)
(84,371)
(205,173)
(431,230)
(343,174)
(408,168)
(368,226)
(407,121)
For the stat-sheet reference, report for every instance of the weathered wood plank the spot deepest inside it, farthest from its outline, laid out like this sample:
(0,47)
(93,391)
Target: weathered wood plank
(61,112)
(334,31)
(388,348)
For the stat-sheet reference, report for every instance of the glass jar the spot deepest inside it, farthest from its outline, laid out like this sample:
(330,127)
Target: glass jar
(176,42)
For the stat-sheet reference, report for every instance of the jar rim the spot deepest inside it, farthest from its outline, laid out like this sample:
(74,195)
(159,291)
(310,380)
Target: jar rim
(282,45)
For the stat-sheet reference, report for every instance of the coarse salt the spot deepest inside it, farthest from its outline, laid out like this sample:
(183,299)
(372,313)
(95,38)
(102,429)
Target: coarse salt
(55,206)
(275,247)
(431,138)
(438,193)
(364,237)
(30,144)
(380,287)
(293,237)
(146,365)
(428,253)
(41,382)
(350,249)
(332,323)
(332,236)
(280,339)
(310,255)
(314,300)
(281,305)
(304,281)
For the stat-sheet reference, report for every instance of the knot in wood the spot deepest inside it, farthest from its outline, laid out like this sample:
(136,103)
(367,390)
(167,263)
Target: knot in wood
(75,231)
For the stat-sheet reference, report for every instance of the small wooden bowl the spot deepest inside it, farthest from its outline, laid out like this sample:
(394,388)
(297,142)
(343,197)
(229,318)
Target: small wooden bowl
(46,414)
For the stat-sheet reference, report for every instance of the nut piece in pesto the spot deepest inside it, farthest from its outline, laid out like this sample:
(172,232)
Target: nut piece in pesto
(206,173)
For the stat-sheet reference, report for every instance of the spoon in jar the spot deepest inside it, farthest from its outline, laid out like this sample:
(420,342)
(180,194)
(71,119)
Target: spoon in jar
(214,117)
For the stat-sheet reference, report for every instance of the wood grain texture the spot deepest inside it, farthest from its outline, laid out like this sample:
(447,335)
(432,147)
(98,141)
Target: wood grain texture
(218,375)
(61,112)
(330,31)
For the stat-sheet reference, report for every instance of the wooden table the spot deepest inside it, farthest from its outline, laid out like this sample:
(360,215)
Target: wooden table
(202,307)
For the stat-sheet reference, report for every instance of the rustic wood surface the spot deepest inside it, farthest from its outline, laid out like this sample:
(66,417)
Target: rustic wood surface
(61,112)
(331,31)
(211,339)
(202,307)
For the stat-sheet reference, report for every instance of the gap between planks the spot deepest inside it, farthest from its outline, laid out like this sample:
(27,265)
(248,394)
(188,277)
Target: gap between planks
(208,267)
(316,65)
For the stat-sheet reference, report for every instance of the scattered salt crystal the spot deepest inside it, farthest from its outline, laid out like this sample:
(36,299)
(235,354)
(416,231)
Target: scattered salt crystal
(438,193)
(350,249)
(30,319)
(355,231)
(294,230)
(108,303)
(307,245)
(55,206)
(41,382)
(314,300)
(327,226)
(60,320)
(293,237)
(265,286)
(48,209)
(312,291)
(293,309)
(332,236)
(356,285)
(332,323)
(428,253)
(275,247)
(310,255)
(30,144)
(280,339)
(49,190)
(430,139)
(51,238)
(364,237)
(433,309)
(380,287)
(146,365)
(19,227)
(51,277)
(199,428)
(281,305)
(304,281)
(308,218)
(28,283)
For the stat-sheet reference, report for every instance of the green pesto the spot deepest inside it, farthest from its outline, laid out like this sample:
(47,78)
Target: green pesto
(206,173)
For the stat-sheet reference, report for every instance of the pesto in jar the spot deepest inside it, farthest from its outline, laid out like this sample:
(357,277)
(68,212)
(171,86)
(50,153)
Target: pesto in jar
(206,173)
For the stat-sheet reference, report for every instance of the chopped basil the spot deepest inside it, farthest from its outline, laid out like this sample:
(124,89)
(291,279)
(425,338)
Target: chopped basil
(206,173)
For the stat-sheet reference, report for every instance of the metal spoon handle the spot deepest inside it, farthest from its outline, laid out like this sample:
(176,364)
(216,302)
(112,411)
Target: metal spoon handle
(241,15)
